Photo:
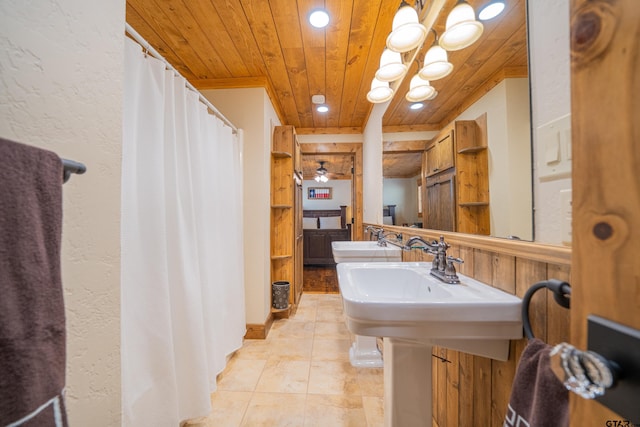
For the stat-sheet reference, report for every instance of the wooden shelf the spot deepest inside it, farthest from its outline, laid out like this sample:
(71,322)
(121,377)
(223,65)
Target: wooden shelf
(286,214)
(281,154)
(280,310)
(470,150)
(471,204)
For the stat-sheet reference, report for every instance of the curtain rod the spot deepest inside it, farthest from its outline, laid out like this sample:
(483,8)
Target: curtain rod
(138,38)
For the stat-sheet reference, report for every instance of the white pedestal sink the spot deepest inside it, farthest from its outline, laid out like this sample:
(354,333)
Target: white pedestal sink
(364,351)
(414,311)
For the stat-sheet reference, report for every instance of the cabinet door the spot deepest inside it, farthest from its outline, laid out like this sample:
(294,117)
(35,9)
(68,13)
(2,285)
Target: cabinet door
(440,155)
(445,152)
(440,209)
(432,160)
(447,203)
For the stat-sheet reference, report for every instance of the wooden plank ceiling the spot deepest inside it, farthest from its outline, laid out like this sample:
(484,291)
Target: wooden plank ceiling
(269,43)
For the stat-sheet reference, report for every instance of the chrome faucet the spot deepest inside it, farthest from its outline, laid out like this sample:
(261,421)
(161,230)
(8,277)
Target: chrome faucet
(442,265)
(382,239)
(374,231)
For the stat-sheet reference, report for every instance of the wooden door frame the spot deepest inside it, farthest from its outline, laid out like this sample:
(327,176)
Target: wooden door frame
(355,151)
(605,128)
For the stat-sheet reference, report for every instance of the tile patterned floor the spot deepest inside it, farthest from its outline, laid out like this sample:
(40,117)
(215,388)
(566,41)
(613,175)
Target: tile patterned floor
(300,376)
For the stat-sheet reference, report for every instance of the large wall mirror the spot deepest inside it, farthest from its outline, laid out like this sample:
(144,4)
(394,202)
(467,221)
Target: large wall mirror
(491,78)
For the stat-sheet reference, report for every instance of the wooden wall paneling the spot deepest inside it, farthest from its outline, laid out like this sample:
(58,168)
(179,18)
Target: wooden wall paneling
(465,390)
(453,388)
(438,398)
(558,317)
(482,387)
(529,272)
(482,266)
(504,272)
(502,374)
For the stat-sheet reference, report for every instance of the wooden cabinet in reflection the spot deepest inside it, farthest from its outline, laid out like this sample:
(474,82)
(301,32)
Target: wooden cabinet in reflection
(456,179)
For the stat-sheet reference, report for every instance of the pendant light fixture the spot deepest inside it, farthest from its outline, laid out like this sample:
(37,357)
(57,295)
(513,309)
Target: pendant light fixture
(380,92)
(419,89)
(436,62)
(406,32)
(391,66)
(462,28)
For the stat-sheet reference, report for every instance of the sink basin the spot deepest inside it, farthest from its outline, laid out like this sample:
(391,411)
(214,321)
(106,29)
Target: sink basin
(414,311)
(402,300)
(364,251)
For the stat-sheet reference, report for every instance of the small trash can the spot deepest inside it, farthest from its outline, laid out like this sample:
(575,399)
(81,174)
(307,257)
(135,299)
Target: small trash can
(280,295)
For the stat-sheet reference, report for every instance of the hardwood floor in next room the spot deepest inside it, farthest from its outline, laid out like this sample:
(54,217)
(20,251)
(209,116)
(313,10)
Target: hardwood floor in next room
(300,376)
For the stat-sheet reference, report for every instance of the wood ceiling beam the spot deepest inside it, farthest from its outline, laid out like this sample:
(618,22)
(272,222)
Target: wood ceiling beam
(329,131)
(418,146)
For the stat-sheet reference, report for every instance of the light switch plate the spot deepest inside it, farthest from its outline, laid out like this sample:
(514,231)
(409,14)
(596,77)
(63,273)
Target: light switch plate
(553,141)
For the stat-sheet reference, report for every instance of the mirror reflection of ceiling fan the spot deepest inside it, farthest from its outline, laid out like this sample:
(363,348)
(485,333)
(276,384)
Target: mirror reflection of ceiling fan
(323,175)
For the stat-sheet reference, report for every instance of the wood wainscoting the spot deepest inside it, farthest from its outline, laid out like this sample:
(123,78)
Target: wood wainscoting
(473,390)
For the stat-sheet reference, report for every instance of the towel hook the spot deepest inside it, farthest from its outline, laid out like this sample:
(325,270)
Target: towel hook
(561,293)
(71,166)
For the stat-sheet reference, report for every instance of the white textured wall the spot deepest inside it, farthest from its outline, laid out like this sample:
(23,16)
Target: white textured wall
(61,68)
(551,99)
(251,110)
(340,194)
(508,131)
(372,165)
(402,192)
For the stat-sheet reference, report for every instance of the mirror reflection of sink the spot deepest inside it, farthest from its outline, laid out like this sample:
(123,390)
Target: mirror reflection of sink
(364,352)
(414,311)
(364,251)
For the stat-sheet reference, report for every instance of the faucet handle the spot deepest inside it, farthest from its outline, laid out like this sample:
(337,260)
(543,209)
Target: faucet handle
(454,259)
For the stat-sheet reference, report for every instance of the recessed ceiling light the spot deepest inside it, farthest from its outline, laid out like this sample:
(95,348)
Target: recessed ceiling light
(416,106)
(491,10)
(319,18)
(322,109)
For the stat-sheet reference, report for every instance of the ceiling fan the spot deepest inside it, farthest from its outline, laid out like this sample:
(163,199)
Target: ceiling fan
(321,173)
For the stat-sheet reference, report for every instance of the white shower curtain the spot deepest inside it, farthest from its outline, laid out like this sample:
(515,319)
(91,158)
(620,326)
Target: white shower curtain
(182,255)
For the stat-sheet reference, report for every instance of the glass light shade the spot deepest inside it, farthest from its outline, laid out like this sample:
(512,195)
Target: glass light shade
(419,89)
(462,29)
(491,10)
(406,32)
(380,92)
(322,109)
(436,64)
(319,18)
(391,66)
(321,178)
